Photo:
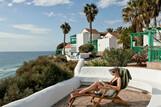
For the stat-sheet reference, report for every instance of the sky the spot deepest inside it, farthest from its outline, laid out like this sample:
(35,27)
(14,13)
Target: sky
(34,25)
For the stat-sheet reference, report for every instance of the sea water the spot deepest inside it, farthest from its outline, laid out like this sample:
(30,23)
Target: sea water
(11,61)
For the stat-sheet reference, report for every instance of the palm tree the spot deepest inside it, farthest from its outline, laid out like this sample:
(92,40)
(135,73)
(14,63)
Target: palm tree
(90,11)
(132,13)
(110,30)
(156,8)
(65,28)
(136,12)
(124,37)
(142,11)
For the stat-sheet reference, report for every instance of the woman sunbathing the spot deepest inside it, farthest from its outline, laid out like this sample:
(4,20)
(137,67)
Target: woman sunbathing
(113,86)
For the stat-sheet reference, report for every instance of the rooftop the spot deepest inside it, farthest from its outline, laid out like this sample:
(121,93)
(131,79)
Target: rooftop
(93,31)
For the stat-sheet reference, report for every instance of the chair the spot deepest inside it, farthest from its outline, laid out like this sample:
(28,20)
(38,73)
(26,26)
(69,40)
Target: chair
(125,77)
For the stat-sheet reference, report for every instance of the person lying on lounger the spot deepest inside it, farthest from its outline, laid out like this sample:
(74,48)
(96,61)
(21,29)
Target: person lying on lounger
(113,86)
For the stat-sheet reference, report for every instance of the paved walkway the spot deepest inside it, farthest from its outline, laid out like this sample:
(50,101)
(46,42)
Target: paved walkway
(134,98)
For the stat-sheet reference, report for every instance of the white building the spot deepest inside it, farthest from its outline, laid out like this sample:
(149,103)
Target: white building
(107,42)
(68,49)
(84,37)
(102,40)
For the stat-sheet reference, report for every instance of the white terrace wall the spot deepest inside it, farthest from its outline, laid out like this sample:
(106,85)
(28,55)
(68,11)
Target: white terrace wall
(91,74)
(49,96)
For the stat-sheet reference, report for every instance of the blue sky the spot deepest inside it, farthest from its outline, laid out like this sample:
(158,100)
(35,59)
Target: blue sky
(34,25)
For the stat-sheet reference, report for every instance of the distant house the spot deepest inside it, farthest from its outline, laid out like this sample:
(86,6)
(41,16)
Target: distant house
(101,40)
(109,41)
(68,48)
(84,37)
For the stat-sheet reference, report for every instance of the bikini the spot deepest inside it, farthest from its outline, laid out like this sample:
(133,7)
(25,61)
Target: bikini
(110,92)
(114,83)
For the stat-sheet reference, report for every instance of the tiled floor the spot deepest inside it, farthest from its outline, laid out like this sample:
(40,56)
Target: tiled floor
(134,99)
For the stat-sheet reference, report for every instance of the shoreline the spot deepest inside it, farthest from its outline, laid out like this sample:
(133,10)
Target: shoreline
(13,60)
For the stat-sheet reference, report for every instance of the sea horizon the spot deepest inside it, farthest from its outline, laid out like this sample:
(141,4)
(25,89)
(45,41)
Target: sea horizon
(31,51)
(11,61)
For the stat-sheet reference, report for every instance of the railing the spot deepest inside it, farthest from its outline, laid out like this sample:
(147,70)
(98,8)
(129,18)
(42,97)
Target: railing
(137,49)
(154,54)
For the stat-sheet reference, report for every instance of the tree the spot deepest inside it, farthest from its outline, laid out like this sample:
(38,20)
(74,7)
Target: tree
(59,48)
(155,6)
(90,11)
(65,28)
(86,48)
(132,13)
(109,30)
(117,57)
(138,13)
(119,29)
(124,37)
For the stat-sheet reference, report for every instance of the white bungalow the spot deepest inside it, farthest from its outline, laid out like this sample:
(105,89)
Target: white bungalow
(102,40)
(68,49)
(108,41)
(84,37)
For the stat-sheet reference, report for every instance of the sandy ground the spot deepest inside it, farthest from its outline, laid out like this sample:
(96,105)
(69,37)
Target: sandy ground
(134,99)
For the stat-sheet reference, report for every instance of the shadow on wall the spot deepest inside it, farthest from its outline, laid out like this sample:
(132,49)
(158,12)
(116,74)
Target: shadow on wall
(156,91)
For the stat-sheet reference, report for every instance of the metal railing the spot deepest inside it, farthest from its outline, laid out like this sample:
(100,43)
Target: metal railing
(154,54)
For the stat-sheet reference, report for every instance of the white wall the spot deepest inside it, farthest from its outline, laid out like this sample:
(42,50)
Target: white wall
(103,44)
(140,74)
(157,36)
(67,51)
(113,42)
(107,43)
(156,43)
(79,38)
(48,96)
(95,36)
(145,40)
(151,76)
(84,37)
(119,45)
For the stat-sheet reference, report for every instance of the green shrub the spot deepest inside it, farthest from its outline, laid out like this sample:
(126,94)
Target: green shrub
(97,62)
(33,76)
(60,59)
(71,65)
(3,87)
(12,93)
(59,48)
(86,48)
(141,56)
(61,45)
(118,57)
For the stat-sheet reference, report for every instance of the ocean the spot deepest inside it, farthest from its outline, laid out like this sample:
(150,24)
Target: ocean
(11,61)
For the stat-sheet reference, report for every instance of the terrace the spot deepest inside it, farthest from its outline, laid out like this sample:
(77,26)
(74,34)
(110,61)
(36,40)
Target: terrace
(134,98)
(143,90)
